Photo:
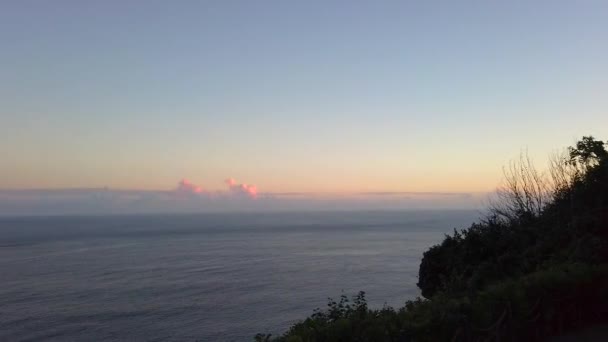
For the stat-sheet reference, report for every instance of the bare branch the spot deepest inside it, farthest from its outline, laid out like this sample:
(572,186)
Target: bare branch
(524,194)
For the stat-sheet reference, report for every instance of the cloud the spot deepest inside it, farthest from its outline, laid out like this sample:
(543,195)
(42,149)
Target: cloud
(187,197)
(241,189)
(184,186)
(373,194)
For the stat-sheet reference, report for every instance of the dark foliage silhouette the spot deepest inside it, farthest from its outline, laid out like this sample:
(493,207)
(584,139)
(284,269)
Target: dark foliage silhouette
(536,266)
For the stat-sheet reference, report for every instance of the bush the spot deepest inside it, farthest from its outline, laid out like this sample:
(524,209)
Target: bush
(536,266)
(525,232)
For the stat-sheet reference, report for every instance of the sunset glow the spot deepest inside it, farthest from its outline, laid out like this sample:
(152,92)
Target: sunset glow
(420,101)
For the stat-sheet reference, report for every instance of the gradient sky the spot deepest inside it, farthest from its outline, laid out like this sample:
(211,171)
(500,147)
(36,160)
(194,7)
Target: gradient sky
(307,96)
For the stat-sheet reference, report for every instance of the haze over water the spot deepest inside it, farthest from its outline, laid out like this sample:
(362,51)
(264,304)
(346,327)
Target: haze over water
(202,277)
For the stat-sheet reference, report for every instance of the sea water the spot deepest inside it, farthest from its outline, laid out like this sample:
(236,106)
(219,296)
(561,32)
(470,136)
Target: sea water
(205,277)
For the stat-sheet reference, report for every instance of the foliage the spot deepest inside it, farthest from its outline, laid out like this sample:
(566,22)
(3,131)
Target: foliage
(527,232)
(535,266)
(535,305)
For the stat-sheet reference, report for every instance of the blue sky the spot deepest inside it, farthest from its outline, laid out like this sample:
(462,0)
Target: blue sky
(327,96)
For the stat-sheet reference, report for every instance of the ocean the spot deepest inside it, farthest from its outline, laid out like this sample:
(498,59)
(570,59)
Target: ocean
(204,277)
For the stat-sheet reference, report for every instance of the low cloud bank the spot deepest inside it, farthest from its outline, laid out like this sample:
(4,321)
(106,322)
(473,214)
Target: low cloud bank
(186,187)
(188,197)
(241,189)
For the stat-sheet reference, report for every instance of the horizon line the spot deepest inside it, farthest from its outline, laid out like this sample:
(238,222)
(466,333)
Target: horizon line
(267,193)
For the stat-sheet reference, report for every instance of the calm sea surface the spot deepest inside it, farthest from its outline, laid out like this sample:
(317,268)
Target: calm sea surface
(212,277)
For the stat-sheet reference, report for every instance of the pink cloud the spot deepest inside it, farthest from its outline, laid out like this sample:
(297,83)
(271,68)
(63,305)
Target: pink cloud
(245,189)
(186,187)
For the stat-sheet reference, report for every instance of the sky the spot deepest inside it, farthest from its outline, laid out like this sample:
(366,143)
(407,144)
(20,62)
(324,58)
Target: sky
(405,103)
